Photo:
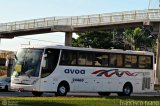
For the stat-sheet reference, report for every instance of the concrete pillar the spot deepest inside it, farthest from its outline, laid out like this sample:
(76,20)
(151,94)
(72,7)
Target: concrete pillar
(68,39)
(158,62)
(158,59)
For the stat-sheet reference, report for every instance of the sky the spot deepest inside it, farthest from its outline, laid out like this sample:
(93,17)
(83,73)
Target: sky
(19,10)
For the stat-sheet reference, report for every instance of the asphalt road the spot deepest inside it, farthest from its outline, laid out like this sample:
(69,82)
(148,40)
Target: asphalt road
(29,94)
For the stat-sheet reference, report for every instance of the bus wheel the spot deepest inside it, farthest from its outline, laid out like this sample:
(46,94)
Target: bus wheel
(35,93)
(104,93)
(62,90)
(127,90)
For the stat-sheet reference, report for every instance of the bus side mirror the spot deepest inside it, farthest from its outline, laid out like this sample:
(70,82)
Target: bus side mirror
(44,63)
(45,56)
(44,60)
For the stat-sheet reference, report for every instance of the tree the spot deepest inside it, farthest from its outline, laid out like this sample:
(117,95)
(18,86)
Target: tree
(103,39)
(94,39)
(140,38)
(133,39)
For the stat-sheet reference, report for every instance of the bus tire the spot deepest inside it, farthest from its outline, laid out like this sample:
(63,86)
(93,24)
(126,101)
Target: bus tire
(62,89)
(104,93)
(127,90)
(38,94)
(6,88)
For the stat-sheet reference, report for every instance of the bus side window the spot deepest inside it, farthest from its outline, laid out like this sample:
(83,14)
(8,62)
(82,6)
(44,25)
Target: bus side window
(68,57)
(119,60)
(89,58)
(130,61)
(142,62)
(145,62)
(148,62)
(63,60)
(116,60)
(112,60)
(105,60)
(101,60)
(73,58)
(97,60)
(81,58)
(134,61)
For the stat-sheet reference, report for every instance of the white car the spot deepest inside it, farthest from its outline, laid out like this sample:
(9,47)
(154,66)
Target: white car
(5,83)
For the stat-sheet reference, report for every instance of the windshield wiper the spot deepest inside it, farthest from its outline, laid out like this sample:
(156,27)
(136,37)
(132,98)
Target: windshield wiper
(28,73)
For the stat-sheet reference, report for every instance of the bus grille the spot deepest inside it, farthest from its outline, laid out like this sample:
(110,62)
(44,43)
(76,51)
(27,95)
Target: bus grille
(146,83)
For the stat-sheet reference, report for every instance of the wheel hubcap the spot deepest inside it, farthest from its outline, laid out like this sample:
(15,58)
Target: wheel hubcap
(62,89)
(127,90)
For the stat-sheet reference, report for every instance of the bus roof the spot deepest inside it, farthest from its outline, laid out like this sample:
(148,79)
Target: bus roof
(92,49)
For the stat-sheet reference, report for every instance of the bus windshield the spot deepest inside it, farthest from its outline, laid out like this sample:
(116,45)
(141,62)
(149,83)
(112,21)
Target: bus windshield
(28,62)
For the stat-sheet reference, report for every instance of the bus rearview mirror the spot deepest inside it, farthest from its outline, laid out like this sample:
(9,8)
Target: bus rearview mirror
(44,63)
(45,55)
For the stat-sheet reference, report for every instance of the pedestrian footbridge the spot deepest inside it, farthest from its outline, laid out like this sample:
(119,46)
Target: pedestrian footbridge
(80,23)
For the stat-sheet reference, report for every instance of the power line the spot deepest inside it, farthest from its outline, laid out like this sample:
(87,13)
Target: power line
(40,40)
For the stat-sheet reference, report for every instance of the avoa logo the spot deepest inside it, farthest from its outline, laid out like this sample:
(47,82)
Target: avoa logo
(74,71)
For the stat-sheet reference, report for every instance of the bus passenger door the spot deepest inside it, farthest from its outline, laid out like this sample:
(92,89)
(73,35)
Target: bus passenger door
(49,64)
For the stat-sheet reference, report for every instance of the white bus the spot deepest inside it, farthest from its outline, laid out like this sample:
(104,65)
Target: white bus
(62,69)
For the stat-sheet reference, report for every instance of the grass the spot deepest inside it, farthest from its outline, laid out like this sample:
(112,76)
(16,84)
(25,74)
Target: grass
(80,101)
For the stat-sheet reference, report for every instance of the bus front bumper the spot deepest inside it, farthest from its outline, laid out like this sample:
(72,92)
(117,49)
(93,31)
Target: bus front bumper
(22,88)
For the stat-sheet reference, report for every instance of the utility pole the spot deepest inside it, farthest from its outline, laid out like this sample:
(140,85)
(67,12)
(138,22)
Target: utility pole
(158,56)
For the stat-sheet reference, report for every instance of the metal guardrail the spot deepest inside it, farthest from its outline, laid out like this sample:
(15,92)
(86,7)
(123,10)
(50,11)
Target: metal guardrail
(82,21)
